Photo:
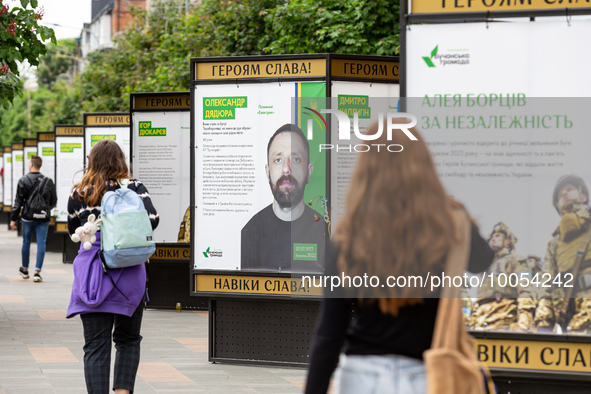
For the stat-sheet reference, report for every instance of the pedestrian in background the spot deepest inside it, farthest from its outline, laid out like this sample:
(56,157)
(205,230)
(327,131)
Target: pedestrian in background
(32,223)
(398,221)
(109,304)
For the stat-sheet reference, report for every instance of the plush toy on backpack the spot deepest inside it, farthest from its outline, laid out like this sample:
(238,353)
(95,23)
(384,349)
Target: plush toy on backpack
(86,233)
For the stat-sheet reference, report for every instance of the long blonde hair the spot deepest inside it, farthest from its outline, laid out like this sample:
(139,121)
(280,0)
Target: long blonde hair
(397,221)
(105,161)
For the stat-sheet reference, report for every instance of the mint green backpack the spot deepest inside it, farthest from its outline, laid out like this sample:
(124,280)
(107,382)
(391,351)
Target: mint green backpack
(127,238)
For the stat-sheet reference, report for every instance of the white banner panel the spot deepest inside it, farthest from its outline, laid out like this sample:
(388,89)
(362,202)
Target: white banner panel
(343,162)
(474,58)
(162,161)
(119,134)
(2,179)
(69,163)
(498,148)
(46,150)
(28,152)
(17,168)
(233,125)
(219,220)
(8,179)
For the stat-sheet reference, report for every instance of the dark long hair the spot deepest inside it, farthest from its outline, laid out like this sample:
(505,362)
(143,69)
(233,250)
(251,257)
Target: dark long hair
(105,161)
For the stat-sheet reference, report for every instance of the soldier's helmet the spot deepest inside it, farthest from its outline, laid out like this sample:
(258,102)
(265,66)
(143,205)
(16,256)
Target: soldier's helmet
(565,180)
(502,228)
(537,259)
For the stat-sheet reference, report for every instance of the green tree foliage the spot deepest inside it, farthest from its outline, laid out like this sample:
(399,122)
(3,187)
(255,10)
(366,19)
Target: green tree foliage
(153,54)
(21,38)
(59,61)
(15,119)
(234,28)
(362,27)
(258,27)
(63,107)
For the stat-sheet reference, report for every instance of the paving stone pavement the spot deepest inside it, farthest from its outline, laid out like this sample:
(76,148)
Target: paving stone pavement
(41,350)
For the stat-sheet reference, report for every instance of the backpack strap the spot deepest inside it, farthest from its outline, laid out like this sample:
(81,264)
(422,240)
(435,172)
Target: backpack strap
(37,186)
(106,271)
(43,183)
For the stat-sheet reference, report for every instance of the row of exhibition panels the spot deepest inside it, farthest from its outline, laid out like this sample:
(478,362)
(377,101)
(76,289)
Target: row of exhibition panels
(161,137)
(452,69)
(164,138)
(162,134)
(64,152)
(15,159)
(169,138)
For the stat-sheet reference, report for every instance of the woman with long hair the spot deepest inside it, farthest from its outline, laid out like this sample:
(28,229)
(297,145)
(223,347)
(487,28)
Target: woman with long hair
(107,302)
(398,222)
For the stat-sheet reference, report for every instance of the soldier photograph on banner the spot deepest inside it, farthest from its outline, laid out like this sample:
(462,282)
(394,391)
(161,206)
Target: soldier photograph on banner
(558,298)
(568,257)
(514,147)
(504,307)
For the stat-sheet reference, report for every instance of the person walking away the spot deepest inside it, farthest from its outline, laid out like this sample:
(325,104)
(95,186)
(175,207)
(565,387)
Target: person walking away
(109,303)
(26,185)
(398,222)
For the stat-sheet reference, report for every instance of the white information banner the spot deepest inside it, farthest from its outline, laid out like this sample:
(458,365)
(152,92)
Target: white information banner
(504,120)
(46,150)
(28,152)
(69,164)
(161,160)
(2,178)
(354,96)
(234,125)
(499,57)
(119,134)
(17,168)
(7,179)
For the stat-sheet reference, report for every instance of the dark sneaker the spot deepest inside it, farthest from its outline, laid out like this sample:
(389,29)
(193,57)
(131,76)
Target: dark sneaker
(37,278)
(24,274)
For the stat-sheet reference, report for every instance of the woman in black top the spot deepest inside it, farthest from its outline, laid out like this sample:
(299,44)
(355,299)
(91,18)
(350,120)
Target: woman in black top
(110,304)
(398,223)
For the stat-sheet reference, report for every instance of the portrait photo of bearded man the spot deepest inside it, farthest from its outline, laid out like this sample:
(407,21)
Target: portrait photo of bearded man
(270,238)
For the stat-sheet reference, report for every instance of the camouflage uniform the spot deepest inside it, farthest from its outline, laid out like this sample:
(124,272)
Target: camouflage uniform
(184,235)
(466,306)
(536,269)
(560,259)
(504,308)
(536,291)
(538,264)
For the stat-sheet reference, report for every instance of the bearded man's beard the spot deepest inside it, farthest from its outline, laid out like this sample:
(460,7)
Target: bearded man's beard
(288,199)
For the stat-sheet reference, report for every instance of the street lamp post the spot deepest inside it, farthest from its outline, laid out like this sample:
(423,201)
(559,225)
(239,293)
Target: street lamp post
(30,86)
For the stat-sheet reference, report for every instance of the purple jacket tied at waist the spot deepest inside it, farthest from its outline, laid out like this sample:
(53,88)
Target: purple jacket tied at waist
(93,291)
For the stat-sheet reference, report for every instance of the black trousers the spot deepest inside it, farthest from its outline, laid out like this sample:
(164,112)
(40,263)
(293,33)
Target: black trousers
(125,332)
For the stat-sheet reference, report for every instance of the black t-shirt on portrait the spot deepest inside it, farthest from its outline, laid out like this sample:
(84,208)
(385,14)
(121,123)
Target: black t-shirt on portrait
(269,243)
